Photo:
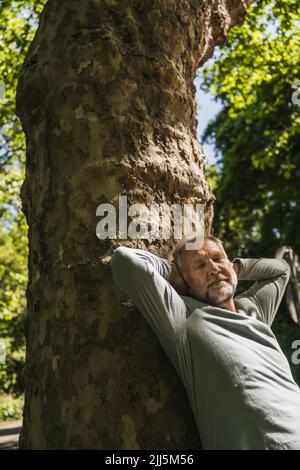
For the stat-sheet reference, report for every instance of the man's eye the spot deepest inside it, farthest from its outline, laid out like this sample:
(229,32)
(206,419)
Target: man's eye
(199,265)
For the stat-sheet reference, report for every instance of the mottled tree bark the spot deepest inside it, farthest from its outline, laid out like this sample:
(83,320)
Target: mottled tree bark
(107,103)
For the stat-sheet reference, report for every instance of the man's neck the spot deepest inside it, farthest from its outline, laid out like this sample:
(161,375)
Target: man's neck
(229,305)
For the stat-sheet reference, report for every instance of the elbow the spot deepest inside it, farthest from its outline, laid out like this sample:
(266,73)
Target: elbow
(120,251)
(286,270)
(117,265)
(118,256)
(119,259)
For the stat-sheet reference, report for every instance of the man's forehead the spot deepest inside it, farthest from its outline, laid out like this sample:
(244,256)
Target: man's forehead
(209,247)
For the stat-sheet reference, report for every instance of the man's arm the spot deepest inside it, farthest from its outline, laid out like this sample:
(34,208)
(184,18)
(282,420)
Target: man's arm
(271,276)
(144,277)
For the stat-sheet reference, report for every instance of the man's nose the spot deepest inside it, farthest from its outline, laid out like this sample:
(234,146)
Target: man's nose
(213,267)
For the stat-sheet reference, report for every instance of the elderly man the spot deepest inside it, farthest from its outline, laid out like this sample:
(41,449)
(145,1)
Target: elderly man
(237,379)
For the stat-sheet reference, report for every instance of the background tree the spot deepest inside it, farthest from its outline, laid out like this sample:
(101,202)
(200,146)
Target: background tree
(106,100)
(257,131)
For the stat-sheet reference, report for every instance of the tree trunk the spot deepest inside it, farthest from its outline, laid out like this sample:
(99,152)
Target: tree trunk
(107,103)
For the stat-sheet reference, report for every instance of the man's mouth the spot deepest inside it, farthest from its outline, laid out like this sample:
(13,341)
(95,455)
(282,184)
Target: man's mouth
(216,282)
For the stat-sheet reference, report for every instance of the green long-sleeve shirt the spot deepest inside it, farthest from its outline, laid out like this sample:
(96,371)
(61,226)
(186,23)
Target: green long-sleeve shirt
(237,379)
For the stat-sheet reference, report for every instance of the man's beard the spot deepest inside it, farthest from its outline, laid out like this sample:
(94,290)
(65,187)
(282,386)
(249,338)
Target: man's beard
(218,297)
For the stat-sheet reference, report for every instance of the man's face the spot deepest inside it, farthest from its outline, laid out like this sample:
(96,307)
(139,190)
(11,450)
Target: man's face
(209,273)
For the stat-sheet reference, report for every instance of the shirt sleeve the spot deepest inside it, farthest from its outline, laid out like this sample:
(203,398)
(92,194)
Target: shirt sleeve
(143,276)
(271,276)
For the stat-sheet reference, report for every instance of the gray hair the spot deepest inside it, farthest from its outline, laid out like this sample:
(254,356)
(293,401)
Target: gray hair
(180,246)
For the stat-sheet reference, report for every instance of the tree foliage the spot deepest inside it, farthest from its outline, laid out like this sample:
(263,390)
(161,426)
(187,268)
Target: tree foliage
(17,27)
(256,134)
